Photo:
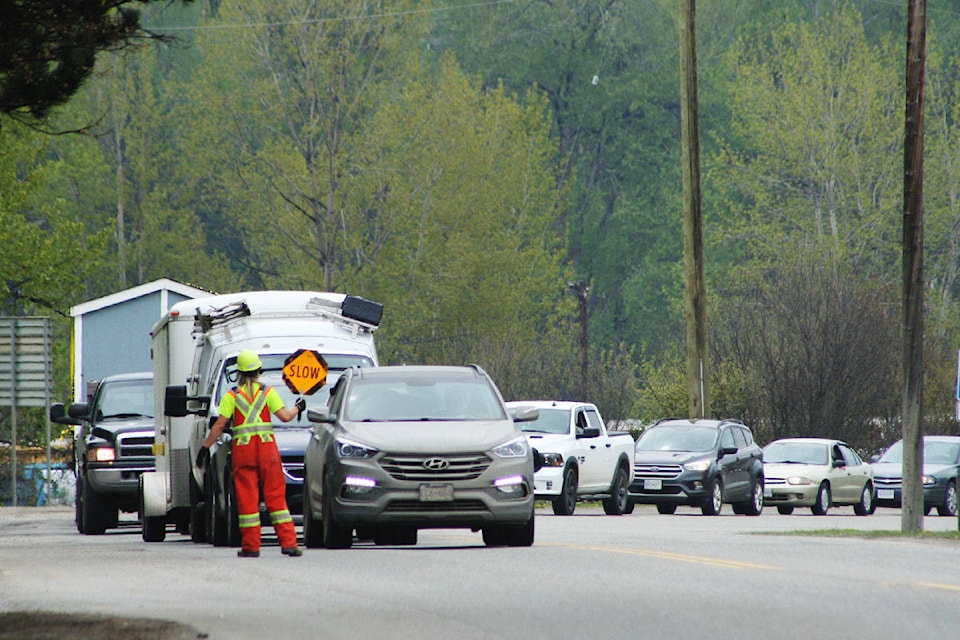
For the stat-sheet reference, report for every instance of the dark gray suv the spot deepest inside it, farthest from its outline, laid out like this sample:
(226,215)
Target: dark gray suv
(700,463)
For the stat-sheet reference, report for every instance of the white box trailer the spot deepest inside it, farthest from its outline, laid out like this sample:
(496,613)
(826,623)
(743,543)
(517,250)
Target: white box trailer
(195,347)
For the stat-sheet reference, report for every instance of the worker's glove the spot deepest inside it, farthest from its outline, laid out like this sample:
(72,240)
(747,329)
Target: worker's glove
(301,407)
(203,458)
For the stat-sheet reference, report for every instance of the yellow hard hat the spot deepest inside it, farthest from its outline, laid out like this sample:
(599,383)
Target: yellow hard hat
(248,361)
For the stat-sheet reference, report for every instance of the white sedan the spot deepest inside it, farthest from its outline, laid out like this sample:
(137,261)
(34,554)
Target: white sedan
(818,473)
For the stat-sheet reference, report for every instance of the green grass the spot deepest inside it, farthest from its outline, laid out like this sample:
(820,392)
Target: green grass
(856,533)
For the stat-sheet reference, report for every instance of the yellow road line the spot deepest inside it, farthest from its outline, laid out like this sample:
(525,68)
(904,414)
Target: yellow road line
(664,555)
(936,585)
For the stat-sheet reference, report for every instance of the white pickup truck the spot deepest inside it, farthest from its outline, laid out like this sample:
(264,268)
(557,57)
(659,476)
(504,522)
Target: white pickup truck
(581,459)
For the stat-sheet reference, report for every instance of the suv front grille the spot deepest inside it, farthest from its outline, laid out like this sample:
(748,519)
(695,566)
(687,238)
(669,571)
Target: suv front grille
(656,470)
(454,467)
(135,445)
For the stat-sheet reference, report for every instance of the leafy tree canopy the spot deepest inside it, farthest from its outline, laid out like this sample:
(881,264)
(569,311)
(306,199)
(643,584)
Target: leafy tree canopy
(50,48)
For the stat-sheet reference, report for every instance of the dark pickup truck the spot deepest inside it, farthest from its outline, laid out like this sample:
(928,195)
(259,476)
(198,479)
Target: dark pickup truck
(112,447)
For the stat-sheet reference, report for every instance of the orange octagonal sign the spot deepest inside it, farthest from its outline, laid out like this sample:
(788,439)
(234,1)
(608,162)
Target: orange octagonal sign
(304,372)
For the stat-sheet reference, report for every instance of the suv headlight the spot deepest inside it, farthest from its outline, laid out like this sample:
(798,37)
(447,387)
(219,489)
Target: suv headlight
(355,450)
(929,481)
(697,465)
(516,448)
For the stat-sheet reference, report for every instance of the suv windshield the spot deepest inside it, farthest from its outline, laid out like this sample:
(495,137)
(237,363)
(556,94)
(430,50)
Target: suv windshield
(126,399)
(422,398)
(678,438)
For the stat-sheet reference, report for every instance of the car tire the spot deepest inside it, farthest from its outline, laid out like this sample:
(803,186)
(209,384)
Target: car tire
(233,513)
(714,503)
(616,503)
(754,506)
(335,536)
(493,536)
(867,505)
(216,521)
(784,511)
(823,502)
(566,502)
(949,505)
(95,512)
(152,528)
(521,536)
(198,517)
(312,528)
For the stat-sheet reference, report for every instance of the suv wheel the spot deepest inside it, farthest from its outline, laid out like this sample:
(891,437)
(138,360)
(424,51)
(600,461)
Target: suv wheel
(754,506)
(335,536)
(666,509)
(714,503)
(824,500)
(566,502)
(312,532)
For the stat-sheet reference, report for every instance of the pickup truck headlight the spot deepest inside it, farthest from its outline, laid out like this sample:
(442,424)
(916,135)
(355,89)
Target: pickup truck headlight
(101,454)
(516,448)
(929,481)
(553,459)
(354,450)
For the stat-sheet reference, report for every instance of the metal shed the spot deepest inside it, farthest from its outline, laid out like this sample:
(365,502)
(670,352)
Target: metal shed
(112,334)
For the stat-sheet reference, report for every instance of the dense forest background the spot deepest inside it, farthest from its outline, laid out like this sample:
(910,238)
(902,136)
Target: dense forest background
(484,168)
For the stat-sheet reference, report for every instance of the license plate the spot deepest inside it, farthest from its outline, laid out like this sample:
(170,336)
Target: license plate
(885,494)
(653,484)
(436,493)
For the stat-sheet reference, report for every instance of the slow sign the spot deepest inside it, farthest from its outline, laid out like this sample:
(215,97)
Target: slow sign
(305,372)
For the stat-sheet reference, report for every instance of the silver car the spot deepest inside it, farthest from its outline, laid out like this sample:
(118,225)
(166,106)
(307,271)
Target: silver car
(403,448)
(818,473)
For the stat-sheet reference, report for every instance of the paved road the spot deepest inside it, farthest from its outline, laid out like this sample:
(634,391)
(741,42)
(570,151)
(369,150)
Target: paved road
(588,576)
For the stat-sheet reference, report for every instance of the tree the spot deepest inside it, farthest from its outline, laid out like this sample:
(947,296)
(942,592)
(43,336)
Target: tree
(50,48)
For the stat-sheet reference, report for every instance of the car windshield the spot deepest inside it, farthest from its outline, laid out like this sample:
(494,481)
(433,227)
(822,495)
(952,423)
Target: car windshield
(934,452)
(678,438)
(126,399)
(272,376)
(422,398)
(796,452)
(549,421)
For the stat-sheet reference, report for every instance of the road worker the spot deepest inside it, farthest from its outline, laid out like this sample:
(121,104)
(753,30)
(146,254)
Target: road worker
(256,459)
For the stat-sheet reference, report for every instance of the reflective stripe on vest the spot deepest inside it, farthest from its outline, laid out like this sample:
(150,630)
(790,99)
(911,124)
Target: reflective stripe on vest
(251,418)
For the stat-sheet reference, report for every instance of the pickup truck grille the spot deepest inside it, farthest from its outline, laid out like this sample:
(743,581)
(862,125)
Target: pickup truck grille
(438,468)
(135,445)
(656,470)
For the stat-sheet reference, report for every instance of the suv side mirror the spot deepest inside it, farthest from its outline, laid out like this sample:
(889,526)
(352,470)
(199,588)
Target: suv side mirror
(321,414)
(728,450)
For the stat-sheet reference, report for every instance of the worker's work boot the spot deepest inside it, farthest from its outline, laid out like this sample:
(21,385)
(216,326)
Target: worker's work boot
(244,553)
(291,551)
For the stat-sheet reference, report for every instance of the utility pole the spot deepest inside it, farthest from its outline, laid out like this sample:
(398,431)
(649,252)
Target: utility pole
(911,406)
(580,289)
(695,303)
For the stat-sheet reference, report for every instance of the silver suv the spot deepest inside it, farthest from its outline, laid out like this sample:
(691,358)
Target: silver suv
(700,463)
(404,448)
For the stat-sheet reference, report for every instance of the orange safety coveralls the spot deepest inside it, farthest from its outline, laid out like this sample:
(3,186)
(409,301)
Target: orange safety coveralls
(257,464)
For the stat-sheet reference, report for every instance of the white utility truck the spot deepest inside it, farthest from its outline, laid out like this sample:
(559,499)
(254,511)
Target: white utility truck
(581,459)
(195,347)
